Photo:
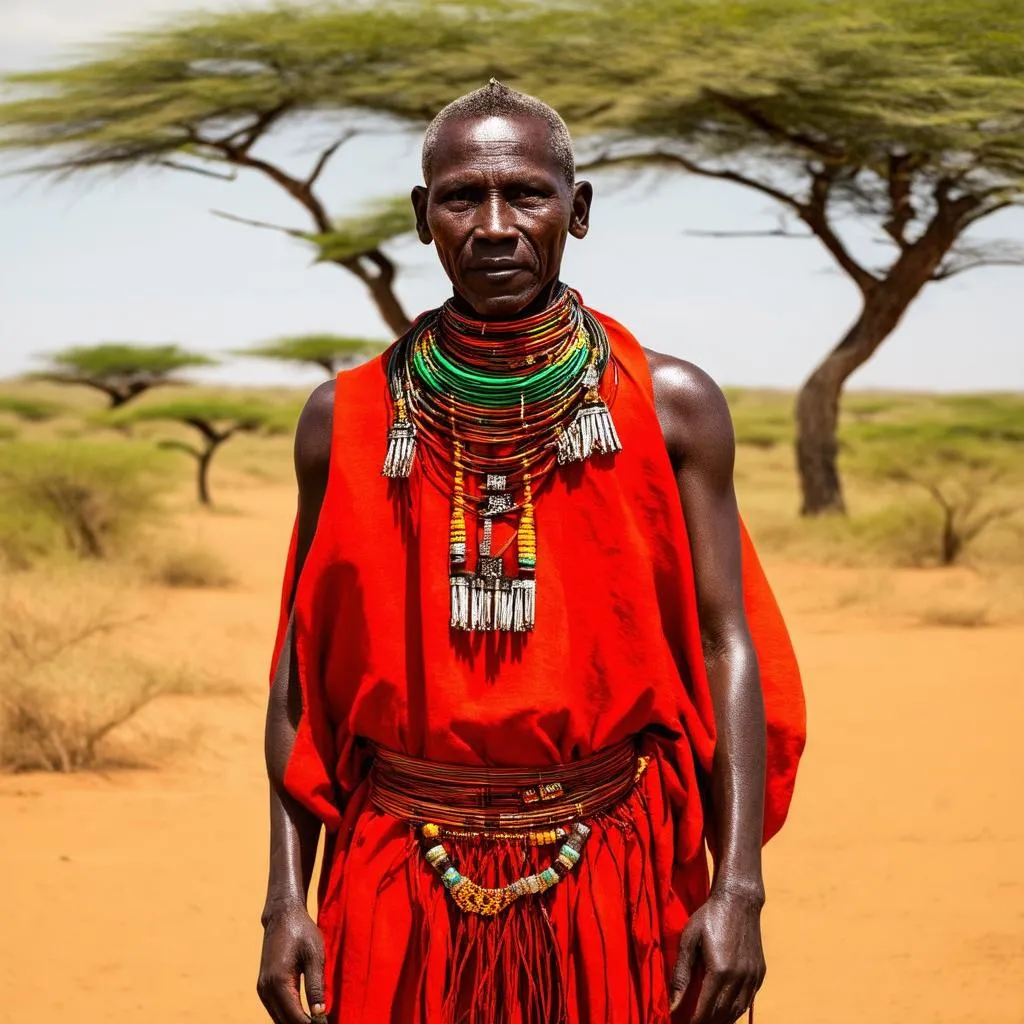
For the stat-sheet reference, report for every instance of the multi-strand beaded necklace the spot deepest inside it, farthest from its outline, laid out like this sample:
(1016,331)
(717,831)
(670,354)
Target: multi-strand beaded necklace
(493,408)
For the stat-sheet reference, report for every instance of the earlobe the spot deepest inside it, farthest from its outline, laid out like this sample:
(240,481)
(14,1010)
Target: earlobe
(419,205)
(583,195)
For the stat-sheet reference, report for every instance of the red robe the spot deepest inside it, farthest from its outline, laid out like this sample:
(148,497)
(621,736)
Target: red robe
(616,650)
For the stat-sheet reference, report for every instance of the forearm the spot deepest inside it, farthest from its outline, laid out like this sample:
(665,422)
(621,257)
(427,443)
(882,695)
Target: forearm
(738,769)
(294,834)
(294,830)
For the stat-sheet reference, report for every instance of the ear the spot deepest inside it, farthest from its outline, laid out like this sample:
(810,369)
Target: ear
(419,204)
(582,197)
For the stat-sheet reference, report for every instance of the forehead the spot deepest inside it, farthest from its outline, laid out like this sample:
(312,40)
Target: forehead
(498,145)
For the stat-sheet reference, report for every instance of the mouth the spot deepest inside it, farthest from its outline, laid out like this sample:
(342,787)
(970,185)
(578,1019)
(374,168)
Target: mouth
(499,270)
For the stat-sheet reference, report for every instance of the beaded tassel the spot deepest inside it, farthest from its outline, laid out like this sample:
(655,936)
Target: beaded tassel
(401,444)
(459,579)
(592,429)
(524,587)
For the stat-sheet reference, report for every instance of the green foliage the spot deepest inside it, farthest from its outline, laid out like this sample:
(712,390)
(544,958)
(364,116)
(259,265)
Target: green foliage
(327,350)
(88,500)
(29,409)
(216,420)
(116,360)
(147,96)
(218,413)
(383,221)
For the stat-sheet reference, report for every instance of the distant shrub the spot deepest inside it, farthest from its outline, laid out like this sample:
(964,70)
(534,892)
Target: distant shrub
(964,616)
(195,568)
(900,535)
(29,409)
(82,498)
(65,697)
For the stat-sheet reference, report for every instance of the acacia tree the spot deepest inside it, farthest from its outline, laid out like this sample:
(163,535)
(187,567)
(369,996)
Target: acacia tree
(328,351)
(121,372)
(201,95)
(893,114)
(215,420)
(899,116)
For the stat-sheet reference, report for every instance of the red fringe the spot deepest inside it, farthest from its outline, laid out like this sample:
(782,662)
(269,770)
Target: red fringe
(515,959)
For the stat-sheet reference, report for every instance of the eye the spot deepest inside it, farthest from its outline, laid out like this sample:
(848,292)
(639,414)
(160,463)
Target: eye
(459,196)
(529,194)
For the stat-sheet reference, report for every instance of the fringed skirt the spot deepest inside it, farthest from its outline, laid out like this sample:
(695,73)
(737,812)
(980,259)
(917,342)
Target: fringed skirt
(595,948)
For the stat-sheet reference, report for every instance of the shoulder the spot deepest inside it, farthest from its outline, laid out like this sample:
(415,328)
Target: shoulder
(692,410)
(313,433)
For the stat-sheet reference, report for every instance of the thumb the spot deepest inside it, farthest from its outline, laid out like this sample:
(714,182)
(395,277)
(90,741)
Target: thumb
(688,946)
(313,980)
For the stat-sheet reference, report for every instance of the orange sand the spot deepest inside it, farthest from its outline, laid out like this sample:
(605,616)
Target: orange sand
(895,892)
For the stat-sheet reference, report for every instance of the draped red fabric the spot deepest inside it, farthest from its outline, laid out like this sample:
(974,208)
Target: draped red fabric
(616,651)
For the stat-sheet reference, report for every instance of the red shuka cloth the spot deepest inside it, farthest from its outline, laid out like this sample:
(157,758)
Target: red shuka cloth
(616,651)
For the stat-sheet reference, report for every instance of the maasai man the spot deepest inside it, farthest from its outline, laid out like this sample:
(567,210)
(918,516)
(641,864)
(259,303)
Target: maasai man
(517,673)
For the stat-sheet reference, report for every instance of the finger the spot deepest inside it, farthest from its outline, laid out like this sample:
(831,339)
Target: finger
(709,993)
(313,980)
(745,998)
(683,971)
(723,1010)
(285,994)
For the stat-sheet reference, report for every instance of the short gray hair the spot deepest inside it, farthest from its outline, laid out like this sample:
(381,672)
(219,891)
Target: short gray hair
(498,100)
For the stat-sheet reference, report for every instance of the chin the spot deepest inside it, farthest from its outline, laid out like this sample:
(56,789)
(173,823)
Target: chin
(503,304)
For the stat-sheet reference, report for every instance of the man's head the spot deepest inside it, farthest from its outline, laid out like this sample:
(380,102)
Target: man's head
(500,198)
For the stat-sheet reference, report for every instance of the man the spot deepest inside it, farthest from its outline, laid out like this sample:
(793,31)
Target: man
(518,761)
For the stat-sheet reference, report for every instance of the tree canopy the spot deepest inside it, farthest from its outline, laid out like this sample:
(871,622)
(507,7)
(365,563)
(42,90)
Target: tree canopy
(905,117)
(216,420)
(121,371)
(329,351)
(201,93)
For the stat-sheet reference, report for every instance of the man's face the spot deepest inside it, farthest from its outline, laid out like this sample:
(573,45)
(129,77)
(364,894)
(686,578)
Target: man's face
(498,210)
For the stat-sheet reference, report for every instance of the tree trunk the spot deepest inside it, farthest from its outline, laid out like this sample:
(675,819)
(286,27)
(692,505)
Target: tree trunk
(817,404)
(203,476)
(383,294)
(952,543)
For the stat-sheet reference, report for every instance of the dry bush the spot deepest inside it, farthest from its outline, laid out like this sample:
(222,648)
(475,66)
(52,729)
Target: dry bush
(84,499)
(191,568)
(956,616)
(67,698)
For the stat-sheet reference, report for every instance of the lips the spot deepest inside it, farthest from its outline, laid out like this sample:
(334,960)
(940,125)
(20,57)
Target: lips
(497,269)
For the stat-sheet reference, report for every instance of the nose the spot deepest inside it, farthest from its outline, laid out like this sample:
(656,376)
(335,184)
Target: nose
(495,221)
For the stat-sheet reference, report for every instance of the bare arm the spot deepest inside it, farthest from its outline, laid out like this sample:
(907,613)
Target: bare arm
(292,944)
(726,932)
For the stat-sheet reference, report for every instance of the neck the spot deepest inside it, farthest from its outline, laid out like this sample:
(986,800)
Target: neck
(545,297)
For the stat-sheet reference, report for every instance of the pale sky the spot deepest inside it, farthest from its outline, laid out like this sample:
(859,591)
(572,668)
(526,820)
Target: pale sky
(141,258)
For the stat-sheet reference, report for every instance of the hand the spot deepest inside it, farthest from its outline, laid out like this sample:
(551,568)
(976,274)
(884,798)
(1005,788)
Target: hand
(726,932)
(292,947)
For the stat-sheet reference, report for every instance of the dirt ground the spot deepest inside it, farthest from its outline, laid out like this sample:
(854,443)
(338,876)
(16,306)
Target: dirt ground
(895,892)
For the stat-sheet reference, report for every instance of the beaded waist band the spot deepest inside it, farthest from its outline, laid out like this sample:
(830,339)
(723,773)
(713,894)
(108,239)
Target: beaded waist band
(537,807)
(485,799)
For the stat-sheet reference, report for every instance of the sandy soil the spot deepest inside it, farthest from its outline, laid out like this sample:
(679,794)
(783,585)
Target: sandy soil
(895,892)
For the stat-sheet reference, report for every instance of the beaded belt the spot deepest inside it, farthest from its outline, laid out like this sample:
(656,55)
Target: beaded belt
(538,807)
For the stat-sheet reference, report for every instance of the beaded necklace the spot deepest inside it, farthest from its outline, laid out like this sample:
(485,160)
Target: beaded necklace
(492,408)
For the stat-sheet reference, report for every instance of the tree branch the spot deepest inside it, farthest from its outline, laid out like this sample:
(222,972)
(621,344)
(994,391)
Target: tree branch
(174,166)
(814,213)
(945,273)
(774,233)
(660,157)
(822,148)
(385,267)
(325,156)
(291,232)
(244,138)
(901,202)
